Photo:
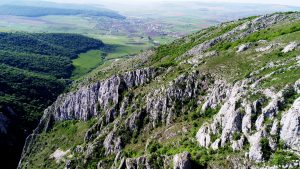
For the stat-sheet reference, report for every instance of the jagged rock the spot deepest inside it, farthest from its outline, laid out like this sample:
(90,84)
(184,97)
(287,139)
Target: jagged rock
(246,122)
(274,129)
(112,143)
(243,48)
(216,95)
(59,155)
(103,95)
(203,136)
(264,49)
(215,145)
(138,163)
(255,152)
(238,144)
(290,131)
(182,161)
(272,143)
(262,41)
(290,47)
(134,120)
(161,103)
(197,59)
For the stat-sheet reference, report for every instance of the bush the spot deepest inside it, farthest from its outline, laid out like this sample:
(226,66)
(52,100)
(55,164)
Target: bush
(236,135)
(153,147)
(265,148)
(281,157)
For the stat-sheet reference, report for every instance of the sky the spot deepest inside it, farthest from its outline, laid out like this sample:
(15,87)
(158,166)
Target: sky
(281,2)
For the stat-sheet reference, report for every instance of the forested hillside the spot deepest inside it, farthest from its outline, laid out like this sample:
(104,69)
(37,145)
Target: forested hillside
(34,70)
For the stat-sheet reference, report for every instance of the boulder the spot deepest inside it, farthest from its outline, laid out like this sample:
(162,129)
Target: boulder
(290,47)
(243,48)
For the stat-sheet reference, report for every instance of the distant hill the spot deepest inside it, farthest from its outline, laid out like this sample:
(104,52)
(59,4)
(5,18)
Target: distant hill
(37,11)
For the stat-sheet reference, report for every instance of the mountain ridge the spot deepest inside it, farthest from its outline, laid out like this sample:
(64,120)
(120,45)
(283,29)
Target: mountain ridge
(218,98)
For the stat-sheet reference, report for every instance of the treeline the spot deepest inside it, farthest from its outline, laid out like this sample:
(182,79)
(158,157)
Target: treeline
(28,93)
(36,11)
(34,70)
(57,66)
(66,45)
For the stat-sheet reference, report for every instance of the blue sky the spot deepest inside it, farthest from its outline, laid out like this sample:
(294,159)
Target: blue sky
(281,2)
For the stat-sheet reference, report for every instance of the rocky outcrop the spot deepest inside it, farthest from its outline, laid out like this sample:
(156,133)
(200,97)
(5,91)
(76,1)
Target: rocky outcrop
(228,119)
(89,101)
(147,162)
(240,32)
(290,47)
(161,103)
(236,116)
(290,131)
(182,161)
(243,48)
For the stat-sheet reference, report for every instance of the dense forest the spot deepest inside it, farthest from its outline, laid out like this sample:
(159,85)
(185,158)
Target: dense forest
(34,11)
(34,70)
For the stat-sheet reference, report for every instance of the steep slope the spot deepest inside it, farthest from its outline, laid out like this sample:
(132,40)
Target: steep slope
(34,70)
(224,97)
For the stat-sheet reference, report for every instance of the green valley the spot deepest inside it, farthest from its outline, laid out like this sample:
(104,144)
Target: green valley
(87,62)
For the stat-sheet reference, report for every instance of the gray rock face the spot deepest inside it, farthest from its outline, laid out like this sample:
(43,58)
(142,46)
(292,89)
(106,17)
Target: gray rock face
(265,48)
(255,152)
(138,163)
(146,162)
(243,48)
(228,119)
(182,161)
(290,47)
(290,132)
(112,144)
(89,101)
(161,103)
(236,116)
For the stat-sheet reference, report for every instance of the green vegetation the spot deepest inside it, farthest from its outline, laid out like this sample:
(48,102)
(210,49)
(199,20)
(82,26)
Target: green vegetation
(64,135)
(281,157)
(266,34)
(60,66)
(34,70)
(265,148)
(65,45)
(165,55)
(87,62)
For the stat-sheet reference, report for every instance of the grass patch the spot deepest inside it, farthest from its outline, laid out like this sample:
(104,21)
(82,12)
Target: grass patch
(87,62)
(64,135)
(281,157)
